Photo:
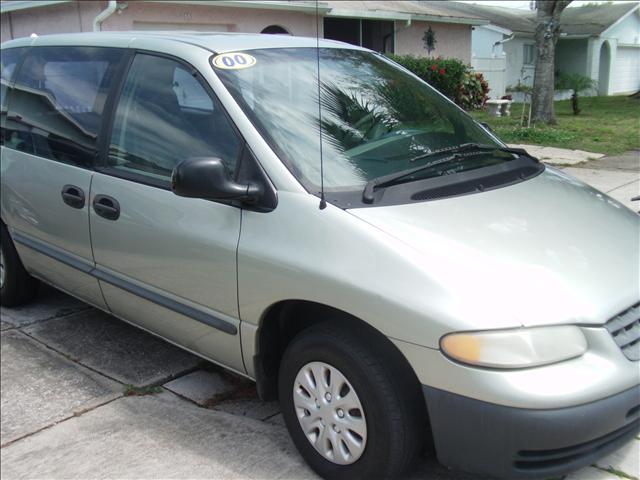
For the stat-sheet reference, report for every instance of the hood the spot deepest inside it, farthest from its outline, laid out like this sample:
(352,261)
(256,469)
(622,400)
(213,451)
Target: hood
(549,250)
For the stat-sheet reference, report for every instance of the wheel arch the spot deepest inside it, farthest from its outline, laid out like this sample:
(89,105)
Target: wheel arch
(285,319)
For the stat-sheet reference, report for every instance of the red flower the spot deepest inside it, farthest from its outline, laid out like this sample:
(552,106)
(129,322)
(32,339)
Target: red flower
(442,72)
(434,67)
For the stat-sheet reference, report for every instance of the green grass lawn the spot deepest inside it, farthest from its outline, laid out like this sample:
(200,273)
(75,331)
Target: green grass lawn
(607,125)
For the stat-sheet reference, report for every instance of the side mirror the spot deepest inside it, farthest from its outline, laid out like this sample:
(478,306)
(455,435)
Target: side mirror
(207,178)
(487,127)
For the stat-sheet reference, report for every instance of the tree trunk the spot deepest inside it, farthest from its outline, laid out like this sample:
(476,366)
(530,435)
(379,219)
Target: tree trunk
(546,36)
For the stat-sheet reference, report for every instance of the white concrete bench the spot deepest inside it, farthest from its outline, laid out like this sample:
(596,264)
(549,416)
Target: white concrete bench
(499,108)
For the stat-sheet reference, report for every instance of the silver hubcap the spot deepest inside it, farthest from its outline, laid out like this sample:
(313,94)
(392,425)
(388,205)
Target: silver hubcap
(330,413)
(1,267)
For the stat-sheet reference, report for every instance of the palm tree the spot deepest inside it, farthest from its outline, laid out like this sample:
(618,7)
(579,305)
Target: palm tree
(351,119)
(577,84)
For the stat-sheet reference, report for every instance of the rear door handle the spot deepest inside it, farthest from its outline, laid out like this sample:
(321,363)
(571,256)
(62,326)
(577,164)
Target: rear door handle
(73,196)
(106,206)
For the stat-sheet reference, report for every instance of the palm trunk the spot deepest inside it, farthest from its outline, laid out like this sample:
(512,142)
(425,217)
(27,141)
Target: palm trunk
(574,103)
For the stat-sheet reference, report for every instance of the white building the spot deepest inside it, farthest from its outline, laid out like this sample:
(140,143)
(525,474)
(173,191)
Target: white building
(600,41)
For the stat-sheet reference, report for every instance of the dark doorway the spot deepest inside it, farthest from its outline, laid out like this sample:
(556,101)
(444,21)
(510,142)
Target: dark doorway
(374,34)
(378,35)
(342,29)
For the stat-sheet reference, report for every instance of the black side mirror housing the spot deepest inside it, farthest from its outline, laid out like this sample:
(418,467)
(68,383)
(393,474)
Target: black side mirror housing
(487,127)
(207,178)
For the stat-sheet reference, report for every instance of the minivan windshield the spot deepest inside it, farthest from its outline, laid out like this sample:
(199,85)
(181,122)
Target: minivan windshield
(377,119)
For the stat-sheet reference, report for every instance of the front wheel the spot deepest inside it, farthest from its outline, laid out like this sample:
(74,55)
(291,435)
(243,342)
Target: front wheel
(350,414)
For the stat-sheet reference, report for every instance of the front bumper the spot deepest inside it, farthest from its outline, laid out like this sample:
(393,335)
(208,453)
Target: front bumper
(508,442)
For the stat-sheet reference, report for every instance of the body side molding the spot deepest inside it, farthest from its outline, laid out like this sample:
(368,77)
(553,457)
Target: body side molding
(130,287)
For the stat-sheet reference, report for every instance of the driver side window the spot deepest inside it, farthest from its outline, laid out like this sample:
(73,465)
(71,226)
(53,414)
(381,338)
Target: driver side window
(164,116)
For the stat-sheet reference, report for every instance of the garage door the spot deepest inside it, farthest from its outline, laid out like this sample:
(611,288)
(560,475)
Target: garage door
(626,70)
(189,27)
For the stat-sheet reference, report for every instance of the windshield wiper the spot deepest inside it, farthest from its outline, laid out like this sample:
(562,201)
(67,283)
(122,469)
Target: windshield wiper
(456,153)
(469,146)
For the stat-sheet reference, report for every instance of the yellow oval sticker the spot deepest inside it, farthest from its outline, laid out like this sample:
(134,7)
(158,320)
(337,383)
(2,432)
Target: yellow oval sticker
(233,61)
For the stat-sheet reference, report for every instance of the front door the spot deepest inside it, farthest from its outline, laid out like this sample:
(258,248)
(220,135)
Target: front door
(165,262)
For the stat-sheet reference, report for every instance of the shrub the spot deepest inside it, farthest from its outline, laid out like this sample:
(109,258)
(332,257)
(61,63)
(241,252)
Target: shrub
(444,74)
(473,91)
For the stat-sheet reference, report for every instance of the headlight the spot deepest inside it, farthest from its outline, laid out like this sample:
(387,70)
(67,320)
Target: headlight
(517,348)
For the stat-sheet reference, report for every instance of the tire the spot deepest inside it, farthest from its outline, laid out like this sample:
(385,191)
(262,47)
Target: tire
(17,287)
(391,403)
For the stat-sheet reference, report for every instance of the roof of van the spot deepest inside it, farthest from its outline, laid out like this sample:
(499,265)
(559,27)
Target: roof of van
(214,41)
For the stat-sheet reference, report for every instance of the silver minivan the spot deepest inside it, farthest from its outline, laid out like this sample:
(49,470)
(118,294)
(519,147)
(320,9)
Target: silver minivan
(318,219)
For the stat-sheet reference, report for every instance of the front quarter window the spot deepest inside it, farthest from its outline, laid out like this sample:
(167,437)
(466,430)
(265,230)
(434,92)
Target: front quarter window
(377,119)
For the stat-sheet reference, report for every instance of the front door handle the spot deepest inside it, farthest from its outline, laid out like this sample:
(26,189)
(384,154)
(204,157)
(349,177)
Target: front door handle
(73,196)
(106,206)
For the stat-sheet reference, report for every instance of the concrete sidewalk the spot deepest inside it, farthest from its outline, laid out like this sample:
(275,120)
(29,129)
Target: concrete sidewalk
(559,156)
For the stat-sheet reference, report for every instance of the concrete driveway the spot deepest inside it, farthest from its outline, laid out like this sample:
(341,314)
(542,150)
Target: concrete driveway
(87,396)
(617,176)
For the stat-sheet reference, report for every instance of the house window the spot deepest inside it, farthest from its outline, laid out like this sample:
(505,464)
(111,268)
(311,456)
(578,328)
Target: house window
(528,54)
(377,35)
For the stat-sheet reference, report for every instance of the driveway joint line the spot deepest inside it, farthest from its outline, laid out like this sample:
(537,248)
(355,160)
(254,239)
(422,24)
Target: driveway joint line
(172,376)
(268,417)
(616,472)
(623,185)
(70,358)
(158,383)
(78,413)
(48,319)
(183,397)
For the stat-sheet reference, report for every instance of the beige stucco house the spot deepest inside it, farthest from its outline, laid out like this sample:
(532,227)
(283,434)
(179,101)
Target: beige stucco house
(390,26)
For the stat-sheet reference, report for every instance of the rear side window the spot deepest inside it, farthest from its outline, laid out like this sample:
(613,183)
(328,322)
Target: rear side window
(166,115)
(57,102)
(10,60)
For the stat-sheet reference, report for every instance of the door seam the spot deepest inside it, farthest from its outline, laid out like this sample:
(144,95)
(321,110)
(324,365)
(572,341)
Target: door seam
(93,256)
(244,364)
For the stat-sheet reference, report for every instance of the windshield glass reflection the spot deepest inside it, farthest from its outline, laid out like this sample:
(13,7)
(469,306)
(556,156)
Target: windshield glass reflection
(376,118)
